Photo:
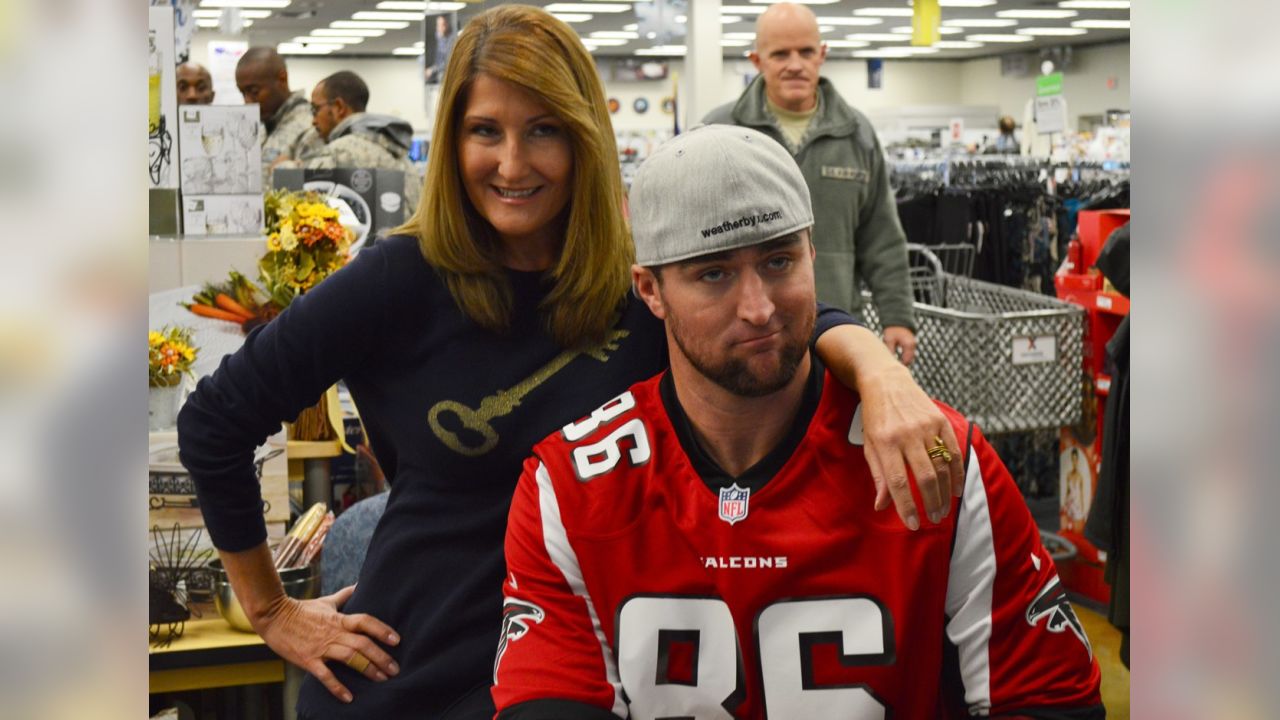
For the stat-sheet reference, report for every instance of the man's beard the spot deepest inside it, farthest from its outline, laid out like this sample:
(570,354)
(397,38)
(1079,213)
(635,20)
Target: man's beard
(734,374)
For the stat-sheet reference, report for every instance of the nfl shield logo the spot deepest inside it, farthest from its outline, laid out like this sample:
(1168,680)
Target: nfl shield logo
(733,503)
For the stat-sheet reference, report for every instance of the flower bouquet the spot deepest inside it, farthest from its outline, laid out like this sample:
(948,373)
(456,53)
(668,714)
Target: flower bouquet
(170,355)
(305,244)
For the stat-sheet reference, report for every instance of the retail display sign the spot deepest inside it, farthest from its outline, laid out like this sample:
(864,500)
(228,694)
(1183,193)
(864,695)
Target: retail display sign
(221,152)
(1050,84)
(1032,349)
(875,73)
(223,56)
(1051,114)
(956,130)
(925,19)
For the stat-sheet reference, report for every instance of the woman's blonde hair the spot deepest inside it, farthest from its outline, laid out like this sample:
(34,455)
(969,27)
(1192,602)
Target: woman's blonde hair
(528,47)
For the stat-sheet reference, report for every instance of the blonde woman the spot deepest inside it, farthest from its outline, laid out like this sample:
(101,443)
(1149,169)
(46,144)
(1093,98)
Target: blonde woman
(500,313)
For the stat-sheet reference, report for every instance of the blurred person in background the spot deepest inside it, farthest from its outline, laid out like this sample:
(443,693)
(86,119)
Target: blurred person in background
(500,312)
(195,85)
(262,78)
(857,232)
(1006,141)
(357,139)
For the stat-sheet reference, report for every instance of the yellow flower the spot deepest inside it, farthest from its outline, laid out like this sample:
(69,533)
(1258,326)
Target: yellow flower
(154,339)
(288,240)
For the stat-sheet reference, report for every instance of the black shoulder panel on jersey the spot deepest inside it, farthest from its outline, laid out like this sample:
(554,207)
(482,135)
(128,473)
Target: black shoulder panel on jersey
(1093,712)
(555,710)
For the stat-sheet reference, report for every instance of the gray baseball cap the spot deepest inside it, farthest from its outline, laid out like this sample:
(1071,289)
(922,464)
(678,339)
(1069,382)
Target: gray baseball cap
(715,188)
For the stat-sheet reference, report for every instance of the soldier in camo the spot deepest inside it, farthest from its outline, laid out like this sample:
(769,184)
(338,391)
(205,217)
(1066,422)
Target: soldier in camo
(262,78)
(357,139)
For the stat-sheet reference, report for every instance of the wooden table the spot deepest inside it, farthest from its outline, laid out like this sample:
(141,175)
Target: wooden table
(212,656)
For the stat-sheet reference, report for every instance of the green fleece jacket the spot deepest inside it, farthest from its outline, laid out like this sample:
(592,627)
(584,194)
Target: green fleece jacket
(856,229)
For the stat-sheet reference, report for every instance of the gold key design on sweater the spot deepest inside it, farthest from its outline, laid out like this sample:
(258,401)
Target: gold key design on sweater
(503,402)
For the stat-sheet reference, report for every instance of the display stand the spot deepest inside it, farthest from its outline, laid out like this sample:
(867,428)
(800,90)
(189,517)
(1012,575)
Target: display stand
(1081,446)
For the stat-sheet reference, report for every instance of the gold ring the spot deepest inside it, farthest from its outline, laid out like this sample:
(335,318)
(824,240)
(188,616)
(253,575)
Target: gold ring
(358,662)
(939,450)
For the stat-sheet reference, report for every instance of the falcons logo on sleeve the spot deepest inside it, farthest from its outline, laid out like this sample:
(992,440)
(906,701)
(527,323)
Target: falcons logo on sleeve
(516,617)
(1052,603)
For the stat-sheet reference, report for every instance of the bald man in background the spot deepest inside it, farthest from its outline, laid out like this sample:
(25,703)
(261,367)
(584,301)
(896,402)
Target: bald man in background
(195,85)
(856,229)
(262,78)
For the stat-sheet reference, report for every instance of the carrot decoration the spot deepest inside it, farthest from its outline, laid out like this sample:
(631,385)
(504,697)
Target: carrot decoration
(225,302)
(215,313)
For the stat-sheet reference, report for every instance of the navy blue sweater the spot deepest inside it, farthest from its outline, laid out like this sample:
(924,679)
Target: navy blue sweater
(415,366)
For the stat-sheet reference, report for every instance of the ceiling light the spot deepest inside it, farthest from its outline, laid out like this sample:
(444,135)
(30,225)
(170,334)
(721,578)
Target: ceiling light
(966,3)
(798,2)
(907,30)
(587,8)
(383,15)
(1095,4)
(422,6)
(891,52)
(209,23)
(419,44)
(615,34)
(849,20)
(1000,38)
(1102,24)
(631,27)
(956,45)
(847,44)
(742,9)
(273,4)
(370,24)
(980,22)
(739,36)
(1046,31)
(246,14)
(407,51)
(349,32)
(884,12)
(1037,14)
(573,17)
(298,49)
(878,37)
(735,43)
(305,40)
(604,42)
(728,19)
(663,50)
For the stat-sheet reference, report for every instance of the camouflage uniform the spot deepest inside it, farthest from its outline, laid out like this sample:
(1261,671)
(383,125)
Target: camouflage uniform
(289,134)
(365,140)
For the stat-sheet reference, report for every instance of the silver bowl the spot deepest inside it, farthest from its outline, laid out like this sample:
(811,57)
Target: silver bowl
(301,583)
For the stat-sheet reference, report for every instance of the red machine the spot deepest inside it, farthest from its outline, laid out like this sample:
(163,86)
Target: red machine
(1077,281)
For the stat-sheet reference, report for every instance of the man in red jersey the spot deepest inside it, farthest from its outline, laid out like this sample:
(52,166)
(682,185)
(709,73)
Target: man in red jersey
(702,546)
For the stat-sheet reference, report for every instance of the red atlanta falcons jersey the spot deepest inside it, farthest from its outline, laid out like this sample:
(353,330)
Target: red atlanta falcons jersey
(637,590)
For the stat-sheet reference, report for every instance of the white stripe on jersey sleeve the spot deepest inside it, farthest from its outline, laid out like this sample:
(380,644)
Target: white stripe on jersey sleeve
(562,554)
(969,590)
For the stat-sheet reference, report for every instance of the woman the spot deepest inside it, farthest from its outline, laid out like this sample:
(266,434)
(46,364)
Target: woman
(499,315)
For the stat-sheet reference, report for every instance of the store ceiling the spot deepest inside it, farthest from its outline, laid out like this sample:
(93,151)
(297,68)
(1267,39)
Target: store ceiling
(862,28)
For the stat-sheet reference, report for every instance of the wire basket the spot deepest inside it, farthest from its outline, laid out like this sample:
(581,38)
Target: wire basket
(1009,359)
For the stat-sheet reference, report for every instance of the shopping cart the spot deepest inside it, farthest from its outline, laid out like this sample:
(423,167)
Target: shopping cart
(1009,359)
